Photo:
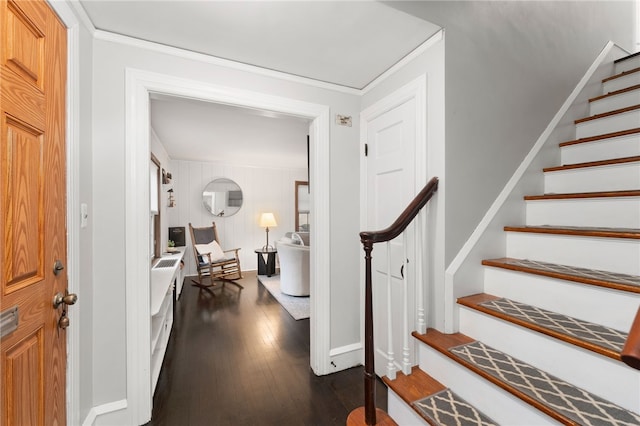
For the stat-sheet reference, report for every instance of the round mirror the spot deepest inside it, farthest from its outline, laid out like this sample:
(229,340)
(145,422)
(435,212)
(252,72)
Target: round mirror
(222,197)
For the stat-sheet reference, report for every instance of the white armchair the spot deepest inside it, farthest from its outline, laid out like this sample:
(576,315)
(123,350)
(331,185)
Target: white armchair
(293,251)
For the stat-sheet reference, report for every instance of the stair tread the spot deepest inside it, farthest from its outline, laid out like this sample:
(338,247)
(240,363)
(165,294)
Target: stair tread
(447,408)
(608,114)
(595,337)
(622,74)
(603,136)
(615,280)
(436,403)
(570,195)
(612,161)
(615,93)
(585,231)
(553,396)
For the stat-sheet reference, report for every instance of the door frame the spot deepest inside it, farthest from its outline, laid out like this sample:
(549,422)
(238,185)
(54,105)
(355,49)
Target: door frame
(72,129)
(416,90)
(138,87)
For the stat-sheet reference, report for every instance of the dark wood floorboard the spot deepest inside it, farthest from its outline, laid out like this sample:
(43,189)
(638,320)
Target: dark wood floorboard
(238,358)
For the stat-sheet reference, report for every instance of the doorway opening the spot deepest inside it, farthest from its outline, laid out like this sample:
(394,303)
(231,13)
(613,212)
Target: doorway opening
(139,86)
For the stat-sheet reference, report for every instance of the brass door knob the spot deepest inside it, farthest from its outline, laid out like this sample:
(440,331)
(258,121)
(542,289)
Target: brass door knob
(68,299)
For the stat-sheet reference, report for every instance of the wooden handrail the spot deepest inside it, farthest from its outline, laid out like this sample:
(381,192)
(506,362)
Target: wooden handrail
(368,238)
(405,218)
(630,354)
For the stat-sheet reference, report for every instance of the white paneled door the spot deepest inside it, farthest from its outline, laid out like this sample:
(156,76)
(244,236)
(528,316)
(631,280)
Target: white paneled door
(390,164)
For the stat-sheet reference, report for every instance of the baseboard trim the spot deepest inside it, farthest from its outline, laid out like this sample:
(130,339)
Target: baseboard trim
(345,357)
(100,410)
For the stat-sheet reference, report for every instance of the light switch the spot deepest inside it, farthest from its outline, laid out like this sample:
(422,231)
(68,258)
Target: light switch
(84,215)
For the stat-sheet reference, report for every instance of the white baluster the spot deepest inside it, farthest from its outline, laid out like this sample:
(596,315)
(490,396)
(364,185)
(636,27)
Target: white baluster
(421,278)
(391,369)
(406,362)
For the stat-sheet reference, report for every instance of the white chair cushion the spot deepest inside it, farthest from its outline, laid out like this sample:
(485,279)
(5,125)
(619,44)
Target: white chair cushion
(214,248)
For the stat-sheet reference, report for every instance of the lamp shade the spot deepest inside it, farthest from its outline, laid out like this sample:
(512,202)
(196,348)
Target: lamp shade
(267,220)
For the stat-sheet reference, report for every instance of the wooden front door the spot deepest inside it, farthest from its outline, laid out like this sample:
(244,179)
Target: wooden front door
(33,213)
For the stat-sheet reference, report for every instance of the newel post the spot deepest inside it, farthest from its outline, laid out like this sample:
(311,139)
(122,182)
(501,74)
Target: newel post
(369,368)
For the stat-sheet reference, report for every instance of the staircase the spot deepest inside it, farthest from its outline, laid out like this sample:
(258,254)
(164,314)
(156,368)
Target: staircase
(541,345)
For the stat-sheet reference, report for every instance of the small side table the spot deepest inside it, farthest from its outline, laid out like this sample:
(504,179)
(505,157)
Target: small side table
(267,267)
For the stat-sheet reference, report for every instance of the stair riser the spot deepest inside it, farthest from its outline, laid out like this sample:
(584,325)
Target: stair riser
(606,149)
(614,123)
(594,212)
(400,411)
(608,307)
(621,83)
(615,177)
(612,103)
(608,254)
(494,402)
(615,381)
(627,64)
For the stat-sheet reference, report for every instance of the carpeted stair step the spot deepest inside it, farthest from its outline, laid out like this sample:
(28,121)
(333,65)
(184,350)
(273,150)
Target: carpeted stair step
(620,80)
(628,132)
(555,397)
(594,337)
(589,164)
(616,99)
(607,122)
(613,280)
(577,195)
(434,402)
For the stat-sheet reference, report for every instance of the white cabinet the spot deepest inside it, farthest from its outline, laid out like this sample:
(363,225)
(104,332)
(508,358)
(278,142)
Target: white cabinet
(165,275)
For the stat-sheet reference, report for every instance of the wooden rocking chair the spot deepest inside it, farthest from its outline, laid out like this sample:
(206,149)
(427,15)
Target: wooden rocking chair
(212,262)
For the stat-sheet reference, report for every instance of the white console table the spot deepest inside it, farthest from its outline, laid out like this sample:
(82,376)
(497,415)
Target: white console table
(166,274)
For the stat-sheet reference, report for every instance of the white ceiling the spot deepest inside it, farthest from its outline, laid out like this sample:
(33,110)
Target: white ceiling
(347,43)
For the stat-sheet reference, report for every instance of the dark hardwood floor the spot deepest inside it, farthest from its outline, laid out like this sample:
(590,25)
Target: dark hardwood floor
(238,358)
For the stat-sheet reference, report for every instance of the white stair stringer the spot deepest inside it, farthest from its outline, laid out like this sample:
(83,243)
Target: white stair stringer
(610,177)
(608,307)
(613,102)
(496,403)
(615,381)
(608,254)
(603,149)
(613,123)
(598,211)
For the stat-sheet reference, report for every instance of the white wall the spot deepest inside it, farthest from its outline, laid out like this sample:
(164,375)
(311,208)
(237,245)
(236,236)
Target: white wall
(509,67)
(263,190)
(110,62)
(86,300)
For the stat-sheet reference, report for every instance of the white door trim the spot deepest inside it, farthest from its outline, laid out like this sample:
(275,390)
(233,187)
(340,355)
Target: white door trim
(416,89)
(139,85)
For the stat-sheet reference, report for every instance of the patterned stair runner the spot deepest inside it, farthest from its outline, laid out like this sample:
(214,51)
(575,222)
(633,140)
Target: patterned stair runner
(593,333)
(571,402)
(447,408)
(591,276)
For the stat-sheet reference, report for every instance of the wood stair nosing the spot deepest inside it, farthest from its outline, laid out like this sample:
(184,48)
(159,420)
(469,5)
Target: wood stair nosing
(627,233)
(615,93)
(622,74)
(443,342)
(475,302)
(601,137)
(608,114)
(510,264)
(610,162)
(582,195)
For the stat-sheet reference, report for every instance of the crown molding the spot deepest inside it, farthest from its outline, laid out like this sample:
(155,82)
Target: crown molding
(201,57)
(404,61)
